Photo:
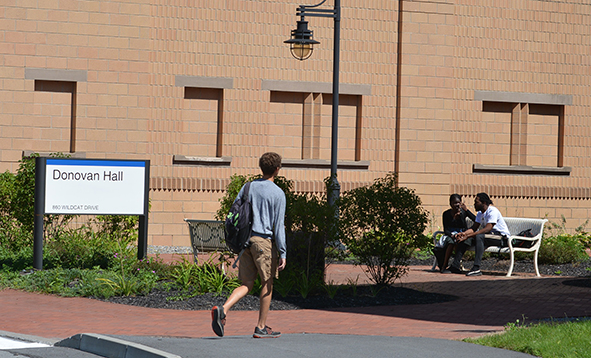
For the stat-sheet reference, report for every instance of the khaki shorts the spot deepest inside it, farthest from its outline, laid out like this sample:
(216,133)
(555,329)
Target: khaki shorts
(260,258)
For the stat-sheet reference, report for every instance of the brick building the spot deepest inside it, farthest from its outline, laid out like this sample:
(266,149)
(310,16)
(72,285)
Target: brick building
(455,95)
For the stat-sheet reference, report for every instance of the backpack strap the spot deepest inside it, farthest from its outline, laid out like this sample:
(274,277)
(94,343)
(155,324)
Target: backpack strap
(235,264)
(244,195)
(246,190)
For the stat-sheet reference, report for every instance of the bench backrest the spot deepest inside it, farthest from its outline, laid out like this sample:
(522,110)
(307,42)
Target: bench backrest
(206,235)
(517,225)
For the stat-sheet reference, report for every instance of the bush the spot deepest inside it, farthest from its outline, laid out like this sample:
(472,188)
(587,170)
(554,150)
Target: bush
(311,235)
(562,249)
(17,210)
(382,225)
(232,190)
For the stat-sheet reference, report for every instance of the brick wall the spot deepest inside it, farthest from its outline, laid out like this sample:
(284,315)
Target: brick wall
(136,80)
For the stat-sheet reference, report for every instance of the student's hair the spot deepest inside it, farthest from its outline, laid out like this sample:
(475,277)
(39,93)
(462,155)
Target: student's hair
(453,197)
(484,198)
(269,162)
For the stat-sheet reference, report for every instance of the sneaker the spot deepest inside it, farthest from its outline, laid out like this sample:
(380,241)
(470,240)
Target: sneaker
(474,273)
(218,320)
(446,271)
(266,332)
(454,269)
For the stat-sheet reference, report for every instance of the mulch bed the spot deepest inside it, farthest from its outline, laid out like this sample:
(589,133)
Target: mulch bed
(364,295)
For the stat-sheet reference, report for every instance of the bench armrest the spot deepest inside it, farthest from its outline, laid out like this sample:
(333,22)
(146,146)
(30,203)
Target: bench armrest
(435,234)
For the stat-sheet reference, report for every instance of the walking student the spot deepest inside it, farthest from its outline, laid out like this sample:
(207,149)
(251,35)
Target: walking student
(266,254)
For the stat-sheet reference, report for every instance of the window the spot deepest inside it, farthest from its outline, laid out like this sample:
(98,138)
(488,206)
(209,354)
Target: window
(526,133)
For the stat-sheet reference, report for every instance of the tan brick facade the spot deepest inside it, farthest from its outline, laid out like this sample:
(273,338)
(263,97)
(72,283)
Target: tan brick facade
(488,96)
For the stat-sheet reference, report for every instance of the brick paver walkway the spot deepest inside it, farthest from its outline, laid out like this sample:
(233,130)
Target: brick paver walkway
(485,304)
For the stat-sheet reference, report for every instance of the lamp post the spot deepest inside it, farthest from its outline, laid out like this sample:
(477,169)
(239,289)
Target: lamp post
(302,45)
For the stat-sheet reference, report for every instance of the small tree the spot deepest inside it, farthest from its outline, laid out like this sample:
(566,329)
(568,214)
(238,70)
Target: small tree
(382,225)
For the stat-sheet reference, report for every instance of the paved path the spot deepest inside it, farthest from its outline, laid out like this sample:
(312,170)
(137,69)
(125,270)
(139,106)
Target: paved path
(485,305)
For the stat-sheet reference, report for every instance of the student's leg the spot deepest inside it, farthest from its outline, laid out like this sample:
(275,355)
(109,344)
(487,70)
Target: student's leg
(460,250)
(247,273)
(265,302)
(237,295)
(479,251)
(265,257)
(448,251)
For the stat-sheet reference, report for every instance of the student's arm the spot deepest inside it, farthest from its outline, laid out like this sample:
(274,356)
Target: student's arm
(474,231)
(279,225)
(447,222)
(468,212)
(471,215)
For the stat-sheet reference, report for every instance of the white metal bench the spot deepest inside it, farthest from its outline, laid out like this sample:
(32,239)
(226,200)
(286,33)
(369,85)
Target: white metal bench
(515,225)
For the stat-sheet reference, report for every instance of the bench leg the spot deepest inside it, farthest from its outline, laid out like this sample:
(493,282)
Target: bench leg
(536,263)
(433,269)
(512,256)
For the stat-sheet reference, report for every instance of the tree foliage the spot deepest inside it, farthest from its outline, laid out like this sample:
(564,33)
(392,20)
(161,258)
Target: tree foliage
(382,225)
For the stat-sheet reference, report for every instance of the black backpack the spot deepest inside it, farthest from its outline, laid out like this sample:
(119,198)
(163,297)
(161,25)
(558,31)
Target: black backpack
(239,223)
(524,243)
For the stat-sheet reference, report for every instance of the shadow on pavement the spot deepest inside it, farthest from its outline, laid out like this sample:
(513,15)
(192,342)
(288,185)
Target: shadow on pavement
(495,302)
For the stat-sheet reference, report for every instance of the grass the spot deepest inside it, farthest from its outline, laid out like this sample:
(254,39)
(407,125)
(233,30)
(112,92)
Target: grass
(547,340)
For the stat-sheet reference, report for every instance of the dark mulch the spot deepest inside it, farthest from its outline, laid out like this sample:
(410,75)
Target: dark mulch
(494,264)
(363,297)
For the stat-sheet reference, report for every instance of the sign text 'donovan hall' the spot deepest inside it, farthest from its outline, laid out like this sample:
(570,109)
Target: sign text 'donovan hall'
(87,186)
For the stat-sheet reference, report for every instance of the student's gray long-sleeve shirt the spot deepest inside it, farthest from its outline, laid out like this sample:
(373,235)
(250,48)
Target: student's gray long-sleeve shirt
(268,211)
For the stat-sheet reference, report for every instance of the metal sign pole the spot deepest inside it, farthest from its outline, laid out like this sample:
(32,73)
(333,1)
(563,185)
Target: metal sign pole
(142,238)
(39,213)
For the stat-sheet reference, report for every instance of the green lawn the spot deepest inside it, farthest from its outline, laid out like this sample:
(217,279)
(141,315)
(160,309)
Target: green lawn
(571,339)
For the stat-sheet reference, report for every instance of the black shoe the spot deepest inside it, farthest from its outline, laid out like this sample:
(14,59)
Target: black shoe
(454,269)
(266,332)
(473,272)
(218,320)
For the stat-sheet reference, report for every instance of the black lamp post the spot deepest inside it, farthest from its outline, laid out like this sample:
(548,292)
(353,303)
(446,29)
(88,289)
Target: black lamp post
(301,46)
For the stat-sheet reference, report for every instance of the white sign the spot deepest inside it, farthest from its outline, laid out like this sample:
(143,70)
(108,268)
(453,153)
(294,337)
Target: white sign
(86,186)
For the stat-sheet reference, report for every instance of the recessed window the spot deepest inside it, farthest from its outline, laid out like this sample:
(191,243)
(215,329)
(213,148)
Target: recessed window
(524,133)
(301,125)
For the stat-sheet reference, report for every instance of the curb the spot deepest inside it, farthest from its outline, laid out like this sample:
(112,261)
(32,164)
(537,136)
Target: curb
(28,338)
(111,347)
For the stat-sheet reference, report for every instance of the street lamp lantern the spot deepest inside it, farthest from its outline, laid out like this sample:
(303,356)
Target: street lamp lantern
(301,46)
(301,43)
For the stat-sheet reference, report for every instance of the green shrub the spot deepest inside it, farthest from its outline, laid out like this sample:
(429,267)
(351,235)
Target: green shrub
(16,259)
(12,233)
(562,249)
(382,225)
(232,190)
(311,239)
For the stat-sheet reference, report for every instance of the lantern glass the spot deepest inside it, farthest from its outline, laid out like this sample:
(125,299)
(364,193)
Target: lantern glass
(301,51)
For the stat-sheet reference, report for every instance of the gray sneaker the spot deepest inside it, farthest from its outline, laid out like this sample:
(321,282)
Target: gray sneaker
(474,273)
(266,332)
(218,320)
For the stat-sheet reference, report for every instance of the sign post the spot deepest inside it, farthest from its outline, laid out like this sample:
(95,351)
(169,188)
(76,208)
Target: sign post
(90,187)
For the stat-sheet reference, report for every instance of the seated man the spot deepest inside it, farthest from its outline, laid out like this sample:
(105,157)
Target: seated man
(454,221)
(488,221)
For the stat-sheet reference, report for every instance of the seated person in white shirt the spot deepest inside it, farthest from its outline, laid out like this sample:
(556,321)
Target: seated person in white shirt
(488,221)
